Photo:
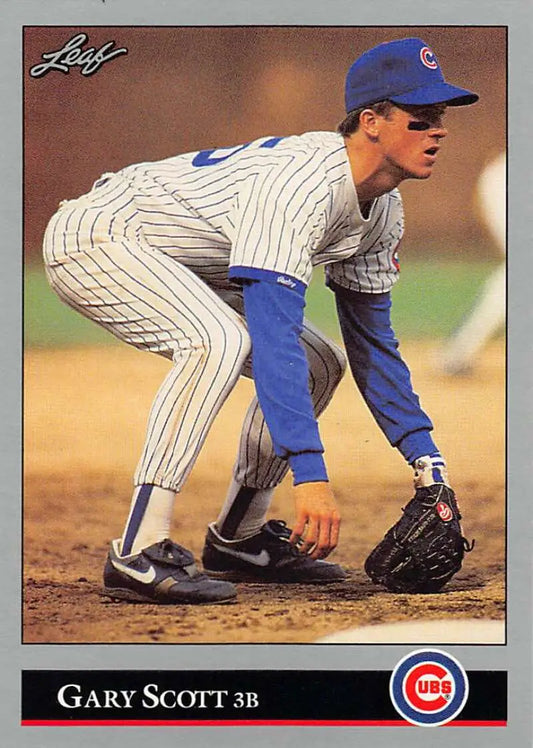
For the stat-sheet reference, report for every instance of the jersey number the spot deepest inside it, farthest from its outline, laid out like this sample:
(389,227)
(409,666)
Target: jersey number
(216,155)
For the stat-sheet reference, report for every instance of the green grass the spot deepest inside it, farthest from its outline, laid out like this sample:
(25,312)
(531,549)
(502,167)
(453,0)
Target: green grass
(428,302)
(50,323)
(433,298)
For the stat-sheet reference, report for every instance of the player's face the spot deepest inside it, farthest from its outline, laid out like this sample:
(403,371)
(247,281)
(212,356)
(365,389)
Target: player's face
(410,138)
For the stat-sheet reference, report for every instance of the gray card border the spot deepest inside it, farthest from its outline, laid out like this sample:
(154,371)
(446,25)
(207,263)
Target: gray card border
(516,655)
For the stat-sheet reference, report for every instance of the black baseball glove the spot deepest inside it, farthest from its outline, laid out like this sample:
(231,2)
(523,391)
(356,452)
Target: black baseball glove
(425,548)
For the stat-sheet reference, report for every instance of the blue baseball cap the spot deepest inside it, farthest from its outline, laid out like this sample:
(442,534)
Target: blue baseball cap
(404,71)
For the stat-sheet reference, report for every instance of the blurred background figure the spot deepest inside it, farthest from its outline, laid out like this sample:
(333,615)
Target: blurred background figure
(488,314)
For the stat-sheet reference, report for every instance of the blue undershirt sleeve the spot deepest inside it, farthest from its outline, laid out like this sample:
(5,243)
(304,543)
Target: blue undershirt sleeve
(380,372)
(274,314)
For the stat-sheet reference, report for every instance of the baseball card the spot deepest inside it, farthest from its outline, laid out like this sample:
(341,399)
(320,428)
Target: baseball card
(265,375)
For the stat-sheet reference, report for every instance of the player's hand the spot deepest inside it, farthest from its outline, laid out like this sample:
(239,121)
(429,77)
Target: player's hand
(316,530)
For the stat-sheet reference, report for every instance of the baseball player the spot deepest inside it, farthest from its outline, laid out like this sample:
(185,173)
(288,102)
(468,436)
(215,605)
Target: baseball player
(488,313)
(205,258)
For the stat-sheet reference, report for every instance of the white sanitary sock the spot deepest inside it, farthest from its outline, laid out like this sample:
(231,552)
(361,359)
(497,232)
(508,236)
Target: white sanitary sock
(149,518)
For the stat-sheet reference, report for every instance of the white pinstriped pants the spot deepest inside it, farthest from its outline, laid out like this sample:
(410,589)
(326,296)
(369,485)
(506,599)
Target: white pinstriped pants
(98,262)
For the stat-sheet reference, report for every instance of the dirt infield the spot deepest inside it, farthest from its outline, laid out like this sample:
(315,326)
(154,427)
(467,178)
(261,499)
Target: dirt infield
(85,411)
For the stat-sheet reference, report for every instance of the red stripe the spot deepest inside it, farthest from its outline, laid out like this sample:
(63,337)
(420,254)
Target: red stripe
(477,723)
(245,723)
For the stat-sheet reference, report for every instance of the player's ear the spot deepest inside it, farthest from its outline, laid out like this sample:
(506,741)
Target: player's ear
(369,123)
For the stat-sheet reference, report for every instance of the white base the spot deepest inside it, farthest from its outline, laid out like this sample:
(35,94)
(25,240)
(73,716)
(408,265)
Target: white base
(444,631)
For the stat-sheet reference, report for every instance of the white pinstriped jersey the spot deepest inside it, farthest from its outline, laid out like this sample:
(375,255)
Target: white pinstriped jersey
(277,204)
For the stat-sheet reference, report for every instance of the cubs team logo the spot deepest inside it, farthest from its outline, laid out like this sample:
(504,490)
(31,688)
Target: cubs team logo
(428,58)
(396,261)
(428,687)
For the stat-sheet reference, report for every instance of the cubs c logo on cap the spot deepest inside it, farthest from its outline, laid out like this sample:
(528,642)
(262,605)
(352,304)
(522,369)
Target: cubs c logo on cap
(428,687)
(428,58)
